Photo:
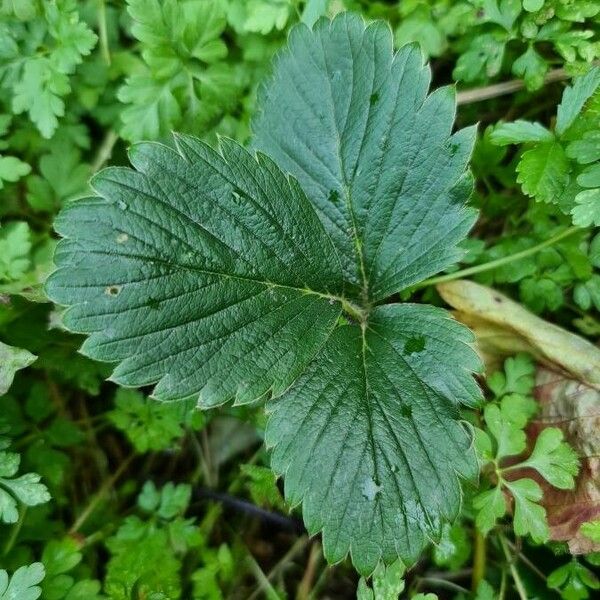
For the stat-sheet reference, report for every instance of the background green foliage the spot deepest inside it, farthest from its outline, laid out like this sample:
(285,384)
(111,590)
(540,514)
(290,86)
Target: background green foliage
(106,494)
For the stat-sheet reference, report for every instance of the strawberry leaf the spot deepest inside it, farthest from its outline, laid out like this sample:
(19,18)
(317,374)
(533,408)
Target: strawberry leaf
(210,274)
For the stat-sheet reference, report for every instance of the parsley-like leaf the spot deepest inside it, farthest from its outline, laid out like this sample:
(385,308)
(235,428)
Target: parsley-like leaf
(11,360)
(25,488)
(529,517)
(553,459)
(23,585)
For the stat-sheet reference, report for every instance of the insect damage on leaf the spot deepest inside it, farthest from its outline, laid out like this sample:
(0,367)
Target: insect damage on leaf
(214,274)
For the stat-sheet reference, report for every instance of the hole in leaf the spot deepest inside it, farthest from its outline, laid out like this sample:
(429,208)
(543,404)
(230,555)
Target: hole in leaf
(414,344)
(153,303)
(112,290)
(371,488)
(406,411)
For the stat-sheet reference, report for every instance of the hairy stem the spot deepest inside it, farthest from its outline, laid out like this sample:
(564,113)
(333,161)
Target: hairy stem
(499,262)
(355,312)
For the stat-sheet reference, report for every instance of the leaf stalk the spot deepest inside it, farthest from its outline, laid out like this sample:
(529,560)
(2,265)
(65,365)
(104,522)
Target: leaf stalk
(499,262)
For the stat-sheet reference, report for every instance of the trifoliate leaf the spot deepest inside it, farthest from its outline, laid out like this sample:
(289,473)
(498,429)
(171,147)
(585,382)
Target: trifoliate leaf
(554,459)
(529,517)
(543,171)
(210,274)
(23,585)
(519,132)
(574,98)
(12,360)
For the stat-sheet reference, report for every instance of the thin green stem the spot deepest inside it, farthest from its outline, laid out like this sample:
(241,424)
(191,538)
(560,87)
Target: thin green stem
(105,151)
(264,584)
(445,584)
(499,262)
(479,559)
(502,591)
(14,534)
(99,495)
(103,31)
(513,570)
(526,561)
